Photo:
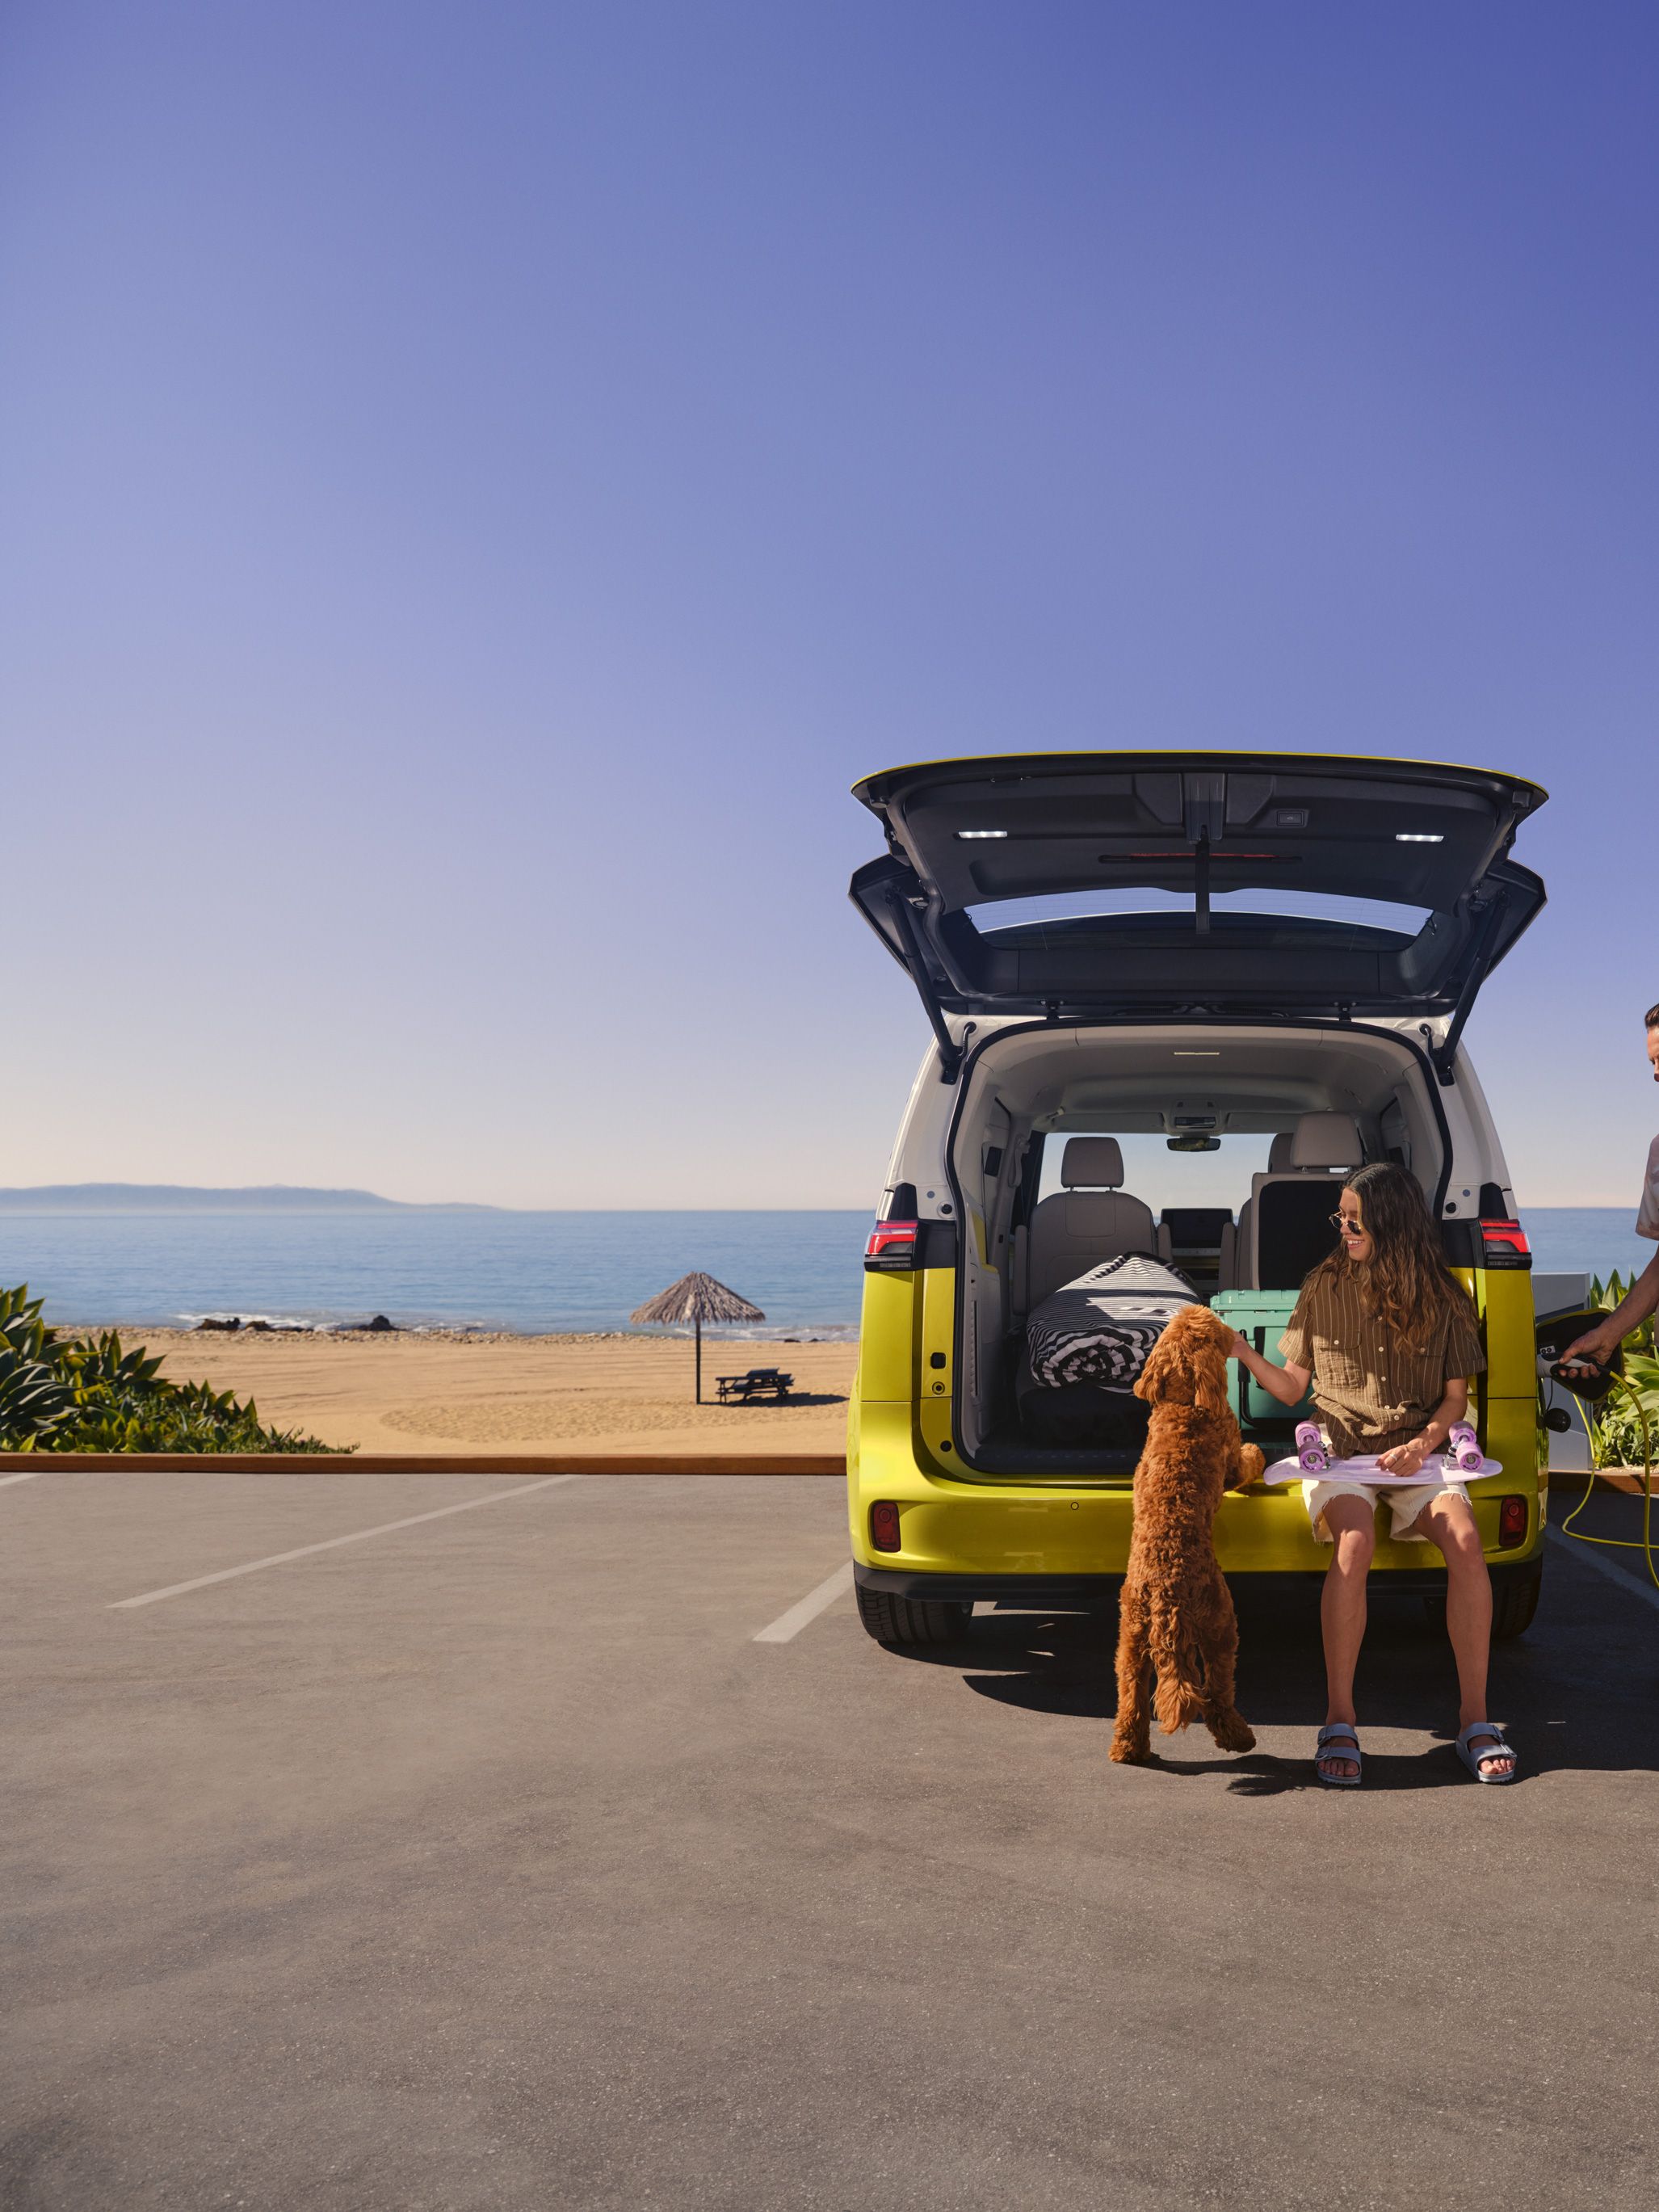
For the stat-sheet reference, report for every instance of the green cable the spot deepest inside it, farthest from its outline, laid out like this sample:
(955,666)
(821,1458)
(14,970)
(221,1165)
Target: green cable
(1619,1543)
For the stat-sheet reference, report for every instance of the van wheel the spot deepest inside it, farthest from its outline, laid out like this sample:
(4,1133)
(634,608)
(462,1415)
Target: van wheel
(1514,1603)
(901,1620)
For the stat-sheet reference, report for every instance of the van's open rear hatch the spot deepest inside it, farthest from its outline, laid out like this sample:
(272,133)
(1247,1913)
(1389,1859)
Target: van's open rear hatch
(1236,883)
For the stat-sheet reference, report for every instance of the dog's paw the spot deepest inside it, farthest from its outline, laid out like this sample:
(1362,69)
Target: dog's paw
(1128,1753)
(1234,1734)
(1252,1464)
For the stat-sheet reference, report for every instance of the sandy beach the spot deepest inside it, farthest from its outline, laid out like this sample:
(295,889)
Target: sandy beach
(417,1394)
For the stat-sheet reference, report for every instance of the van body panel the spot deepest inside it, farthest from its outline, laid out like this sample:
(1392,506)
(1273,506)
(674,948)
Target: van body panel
(989,1529)
(887,1363)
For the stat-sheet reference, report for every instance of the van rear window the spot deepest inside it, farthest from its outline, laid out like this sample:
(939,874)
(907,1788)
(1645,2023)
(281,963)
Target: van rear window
(1120,904)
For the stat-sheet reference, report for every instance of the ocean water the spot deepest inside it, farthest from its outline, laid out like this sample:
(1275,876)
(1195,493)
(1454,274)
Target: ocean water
(531,1272)
(1586,1240)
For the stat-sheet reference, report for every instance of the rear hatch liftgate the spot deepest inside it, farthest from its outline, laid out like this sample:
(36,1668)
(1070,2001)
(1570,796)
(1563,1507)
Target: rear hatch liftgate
(1307,839)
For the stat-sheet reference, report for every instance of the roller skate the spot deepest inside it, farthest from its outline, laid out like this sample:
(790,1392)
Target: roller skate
(1311,1455)
(1463,1448)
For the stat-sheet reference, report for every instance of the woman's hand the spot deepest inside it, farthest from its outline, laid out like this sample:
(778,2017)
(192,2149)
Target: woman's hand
(1238,1347)
(1404,1459)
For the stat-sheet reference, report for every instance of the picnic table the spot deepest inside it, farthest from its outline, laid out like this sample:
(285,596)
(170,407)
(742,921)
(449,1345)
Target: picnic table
(757,1382)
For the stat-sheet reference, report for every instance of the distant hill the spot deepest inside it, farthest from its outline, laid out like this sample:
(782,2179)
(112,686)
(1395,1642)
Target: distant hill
(183,1198)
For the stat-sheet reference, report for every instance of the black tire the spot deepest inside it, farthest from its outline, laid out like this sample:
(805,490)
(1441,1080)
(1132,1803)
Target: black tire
(898,1621)
(1514,1602)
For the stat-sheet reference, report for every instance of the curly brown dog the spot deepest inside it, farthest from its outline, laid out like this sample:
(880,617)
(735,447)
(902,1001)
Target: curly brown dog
(1177,1613)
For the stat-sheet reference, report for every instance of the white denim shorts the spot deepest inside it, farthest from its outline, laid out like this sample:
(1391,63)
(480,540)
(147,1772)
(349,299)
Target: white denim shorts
(1405,1504)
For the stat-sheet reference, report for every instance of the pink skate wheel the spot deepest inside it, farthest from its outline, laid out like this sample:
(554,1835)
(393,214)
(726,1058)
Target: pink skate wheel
(1310,1455)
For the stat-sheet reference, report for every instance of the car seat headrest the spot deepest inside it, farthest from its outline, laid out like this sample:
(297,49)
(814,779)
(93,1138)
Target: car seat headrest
(1278,1152)
(1327,1141)
(1091,1163)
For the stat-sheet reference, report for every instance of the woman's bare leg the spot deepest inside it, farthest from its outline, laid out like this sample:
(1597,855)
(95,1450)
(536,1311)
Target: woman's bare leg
(1449,1525)
(1352,1524)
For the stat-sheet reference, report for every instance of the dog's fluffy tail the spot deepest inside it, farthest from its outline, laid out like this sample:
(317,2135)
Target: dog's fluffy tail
(1180,1664)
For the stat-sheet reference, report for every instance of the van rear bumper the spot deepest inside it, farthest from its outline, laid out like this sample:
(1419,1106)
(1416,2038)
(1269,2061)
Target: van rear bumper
(1083,1593)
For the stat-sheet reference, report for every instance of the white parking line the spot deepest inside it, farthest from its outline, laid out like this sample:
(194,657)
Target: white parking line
(1588,1556)
(333,1543)
(787,1625)
(7,1479)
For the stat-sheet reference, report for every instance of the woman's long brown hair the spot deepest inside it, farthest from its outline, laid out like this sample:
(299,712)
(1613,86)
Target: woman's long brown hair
(1405,1283)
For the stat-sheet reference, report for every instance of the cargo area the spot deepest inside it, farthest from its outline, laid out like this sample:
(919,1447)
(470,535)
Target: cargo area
(1145,1165)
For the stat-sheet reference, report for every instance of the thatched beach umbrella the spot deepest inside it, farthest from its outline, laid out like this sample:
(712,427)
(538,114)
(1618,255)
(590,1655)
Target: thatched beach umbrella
(696,1298)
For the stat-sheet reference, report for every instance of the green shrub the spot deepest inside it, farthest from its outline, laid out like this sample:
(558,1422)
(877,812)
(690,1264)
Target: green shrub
(90,1394)
(1618,1435)
(34,1394)
(1615,1427)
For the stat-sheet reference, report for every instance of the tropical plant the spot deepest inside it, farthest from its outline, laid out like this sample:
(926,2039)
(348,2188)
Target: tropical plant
(87,1394)
(34,1396)
(1613,1293)
(1617,1436)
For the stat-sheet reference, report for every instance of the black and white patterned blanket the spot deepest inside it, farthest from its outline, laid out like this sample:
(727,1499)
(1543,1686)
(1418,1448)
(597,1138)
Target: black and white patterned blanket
(1100,1328)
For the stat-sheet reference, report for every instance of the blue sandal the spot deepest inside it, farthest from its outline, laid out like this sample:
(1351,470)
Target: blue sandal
(1338,1740)
(1496,1749)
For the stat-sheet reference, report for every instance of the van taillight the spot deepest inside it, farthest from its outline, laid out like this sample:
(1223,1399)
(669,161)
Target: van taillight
(892,1244)
(884,1525)
(1503,1245)
(1512,1522)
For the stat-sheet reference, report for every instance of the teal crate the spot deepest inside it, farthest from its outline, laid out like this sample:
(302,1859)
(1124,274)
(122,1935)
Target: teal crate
(1260,1318)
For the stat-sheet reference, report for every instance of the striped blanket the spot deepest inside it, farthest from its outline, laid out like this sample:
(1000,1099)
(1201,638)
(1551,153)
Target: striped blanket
(1100,1328)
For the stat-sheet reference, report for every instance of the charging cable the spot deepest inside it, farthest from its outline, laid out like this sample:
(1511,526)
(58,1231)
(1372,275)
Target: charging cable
(1644,1543)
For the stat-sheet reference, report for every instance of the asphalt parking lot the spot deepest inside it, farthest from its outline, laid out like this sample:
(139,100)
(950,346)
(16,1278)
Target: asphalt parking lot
(492,1861)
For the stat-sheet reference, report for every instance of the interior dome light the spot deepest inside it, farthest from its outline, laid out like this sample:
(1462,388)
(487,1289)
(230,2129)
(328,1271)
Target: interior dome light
(1404,837)
(966,834)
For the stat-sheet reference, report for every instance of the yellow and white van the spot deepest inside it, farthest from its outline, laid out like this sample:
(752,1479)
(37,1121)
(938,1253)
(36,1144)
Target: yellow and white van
(1128,959)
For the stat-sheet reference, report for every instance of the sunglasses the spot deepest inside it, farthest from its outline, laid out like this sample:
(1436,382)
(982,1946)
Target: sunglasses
(1351,1223)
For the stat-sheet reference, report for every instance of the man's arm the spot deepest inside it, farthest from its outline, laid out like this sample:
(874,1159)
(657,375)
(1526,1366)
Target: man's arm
(1641,1299)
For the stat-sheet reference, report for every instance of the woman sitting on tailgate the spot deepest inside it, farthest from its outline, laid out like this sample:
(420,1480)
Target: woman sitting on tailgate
(1387,1337)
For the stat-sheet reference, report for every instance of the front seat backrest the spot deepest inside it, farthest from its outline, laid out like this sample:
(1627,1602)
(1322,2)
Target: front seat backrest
(1236,1276)
(1093,1219)
(1289,1230)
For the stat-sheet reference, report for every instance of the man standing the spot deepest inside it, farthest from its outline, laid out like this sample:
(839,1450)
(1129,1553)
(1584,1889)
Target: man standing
(1642,1297)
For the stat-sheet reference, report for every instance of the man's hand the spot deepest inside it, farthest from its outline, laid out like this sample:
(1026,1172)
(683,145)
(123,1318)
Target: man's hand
(1239,1346)
(1404,1459)
(1598,1345)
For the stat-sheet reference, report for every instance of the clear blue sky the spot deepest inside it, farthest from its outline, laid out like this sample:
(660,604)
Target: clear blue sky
(478,483)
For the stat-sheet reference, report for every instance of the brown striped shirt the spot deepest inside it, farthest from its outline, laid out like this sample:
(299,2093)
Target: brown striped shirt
(1372,1391)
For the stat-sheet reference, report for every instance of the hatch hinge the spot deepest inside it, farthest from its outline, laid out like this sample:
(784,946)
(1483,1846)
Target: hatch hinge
(1051,1010)
(950,1052)
(1344,1012)
(1444,1057)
